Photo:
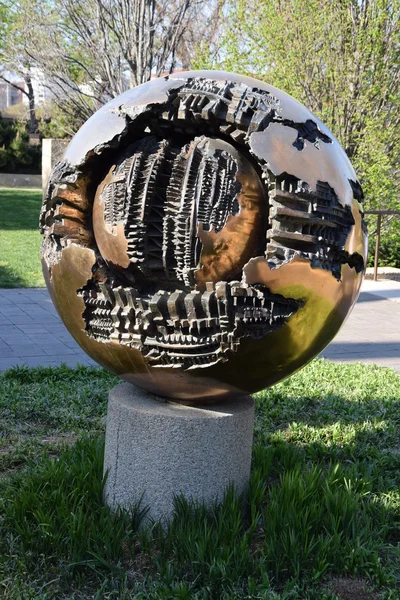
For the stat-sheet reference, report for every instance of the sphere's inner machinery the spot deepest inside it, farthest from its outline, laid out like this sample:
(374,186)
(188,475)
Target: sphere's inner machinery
(312,224)
(308,222)
(184,329)
(187,218)
(161,194)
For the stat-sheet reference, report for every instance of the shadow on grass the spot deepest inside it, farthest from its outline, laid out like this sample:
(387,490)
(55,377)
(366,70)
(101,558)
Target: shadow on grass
(10,279)
(361,436)
(317,505)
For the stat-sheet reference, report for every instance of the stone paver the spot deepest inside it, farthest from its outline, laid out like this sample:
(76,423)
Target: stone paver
(32,333)
(371,334)
(388,289)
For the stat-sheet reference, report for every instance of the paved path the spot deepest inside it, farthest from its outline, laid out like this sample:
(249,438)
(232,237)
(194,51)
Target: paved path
(31,332)
(372,332)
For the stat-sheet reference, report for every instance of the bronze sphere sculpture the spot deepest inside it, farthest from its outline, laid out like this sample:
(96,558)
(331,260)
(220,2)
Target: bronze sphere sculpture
(203,236)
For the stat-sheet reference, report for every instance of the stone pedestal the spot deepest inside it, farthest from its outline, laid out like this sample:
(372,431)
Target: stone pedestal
(156,449)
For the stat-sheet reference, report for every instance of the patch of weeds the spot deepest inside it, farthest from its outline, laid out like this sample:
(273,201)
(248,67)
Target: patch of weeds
(351,589)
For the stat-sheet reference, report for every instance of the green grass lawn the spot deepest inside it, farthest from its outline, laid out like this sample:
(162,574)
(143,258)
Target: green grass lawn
(19,238)
(321,521)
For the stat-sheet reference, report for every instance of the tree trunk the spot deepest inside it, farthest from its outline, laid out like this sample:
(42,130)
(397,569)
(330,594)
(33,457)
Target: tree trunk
(33,126)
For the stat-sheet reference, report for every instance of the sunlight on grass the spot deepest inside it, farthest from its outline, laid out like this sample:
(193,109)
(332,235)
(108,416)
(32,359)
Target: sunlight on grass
(20,264)
(323,509)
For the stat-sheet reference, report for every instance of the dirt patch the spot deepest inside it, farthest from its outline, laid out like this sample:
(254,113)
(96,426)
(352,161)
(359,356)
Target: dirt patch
(351,589)
(60,438)
(139,568)
(18,448)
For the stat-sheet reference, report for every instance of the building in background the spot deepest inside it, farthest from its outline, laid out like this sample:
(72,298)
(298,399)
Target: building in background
(9,95)
(13,101)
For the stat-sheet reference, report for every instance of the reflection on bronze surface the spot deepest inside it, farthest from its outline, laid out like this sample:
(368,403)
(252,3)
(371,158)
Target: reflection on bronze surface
(203,236)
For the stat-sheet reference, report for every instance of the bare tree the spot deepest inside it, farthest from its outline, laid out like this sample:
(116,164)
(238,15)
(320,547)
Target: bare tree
(147,32)
(74,58)
(28,92)
(89,51)
(203,35)
(14,58)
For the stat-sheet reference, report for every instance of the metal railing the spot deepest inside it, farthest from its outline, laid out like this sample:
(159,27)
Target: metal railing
(380,214)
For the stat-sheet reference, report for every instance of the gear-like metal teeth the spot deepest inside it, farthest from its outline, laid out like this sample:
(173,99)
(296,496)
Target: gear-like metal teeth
(185,231)
(64,216)
(219,189)
(227,103)
(207,190)
(148,192)
(63,174)
(114,195)
(172,208)
(312,224)
(184,329)
(202,190)
(161,194)
(136,197)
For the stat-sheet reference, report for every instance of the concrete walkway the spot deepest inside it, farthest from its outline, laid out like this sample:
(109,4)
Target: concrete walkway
(371,334)
(31,332)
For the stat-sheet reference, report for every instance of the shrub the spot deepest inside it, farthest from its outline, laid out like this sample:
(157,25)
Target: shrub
(389,248)
(16,154)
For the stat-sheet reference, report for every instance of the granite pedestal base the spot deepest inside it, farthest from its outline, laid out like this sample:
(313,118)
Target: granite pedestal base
(156,449)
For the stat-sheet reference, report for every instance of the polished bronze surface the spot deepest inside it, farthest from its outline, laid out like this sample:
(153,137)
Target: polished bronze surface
(203,236)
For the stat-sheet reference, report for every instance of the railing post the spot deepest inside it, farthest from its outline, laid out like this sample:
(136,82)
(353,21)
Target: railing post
(378,240)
